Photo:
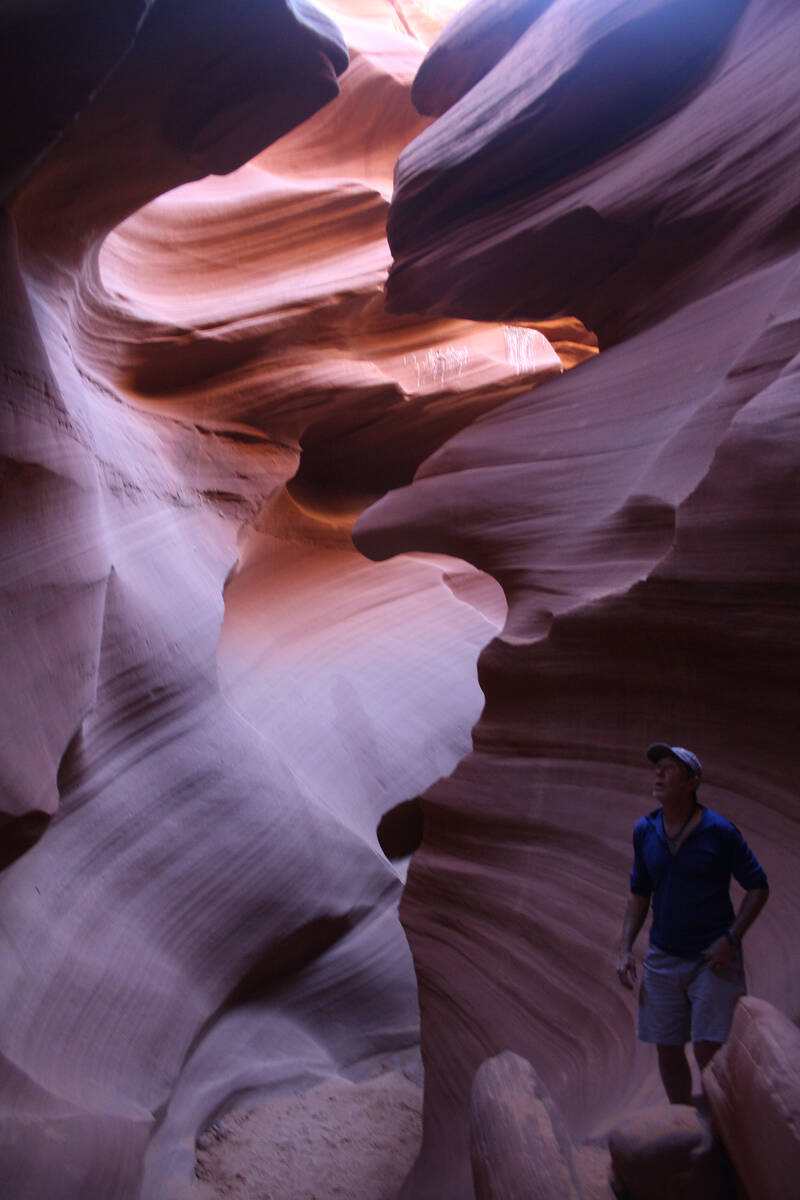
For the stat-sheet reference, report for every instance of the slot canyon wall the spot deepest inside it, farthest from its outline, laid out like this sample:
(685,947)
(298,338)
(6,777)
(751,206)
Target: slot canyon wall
(211,699)
(640,513)
(213,696)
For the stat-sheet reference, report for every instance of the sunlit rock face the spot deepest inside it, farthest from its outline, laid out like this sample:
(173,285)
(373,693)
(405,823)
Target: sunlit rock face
(211,698)
(635,164)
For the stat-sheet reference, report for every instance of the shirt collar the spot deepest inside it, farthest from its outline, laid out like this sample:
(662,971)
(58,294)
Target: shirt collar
(654,818)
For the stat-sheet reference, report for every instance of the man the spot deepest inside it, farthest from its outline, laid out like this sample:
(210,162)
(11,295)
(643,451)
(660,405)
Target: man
(684,857)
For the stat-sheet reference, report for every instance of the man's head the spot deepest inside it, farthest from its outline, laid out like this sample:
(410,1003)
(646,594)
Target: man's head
(678,772)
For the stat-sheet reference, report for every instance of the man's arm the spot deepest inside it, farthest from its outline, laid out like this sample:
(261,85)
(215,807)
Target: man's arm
(634,919)
(720,952)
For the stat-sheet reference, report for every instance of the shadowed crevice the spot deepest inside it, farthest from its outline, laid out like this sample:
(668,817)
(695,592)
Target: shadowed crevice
(19,834)
(400,829)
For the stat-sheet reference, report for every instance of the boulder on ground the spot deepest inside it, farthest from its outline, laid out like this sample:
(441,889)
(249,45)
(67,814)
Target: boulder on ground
(519,1144)
(667,1152)
(753,1088)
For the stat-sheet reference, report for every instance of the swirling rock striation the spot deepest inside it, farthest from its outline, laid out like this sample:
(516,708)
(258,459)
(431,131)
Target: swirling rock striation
(638,513)
(211,699)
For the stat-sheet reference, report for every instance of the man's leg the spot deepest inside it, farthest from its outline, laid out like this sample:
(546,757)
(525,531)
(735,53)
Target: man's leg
(704,1052)
(676,1074)
(665,1018)
(713,996)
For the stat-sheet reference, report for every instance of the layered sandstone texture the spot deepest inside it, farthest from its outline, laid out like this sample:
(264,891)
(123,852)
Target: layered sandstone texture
(211,700)
(634,163)
(518,1143)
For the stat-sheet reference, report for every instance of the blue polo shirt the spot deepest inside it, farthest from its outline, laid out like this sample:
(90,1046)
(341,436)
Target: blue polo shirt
(690,890)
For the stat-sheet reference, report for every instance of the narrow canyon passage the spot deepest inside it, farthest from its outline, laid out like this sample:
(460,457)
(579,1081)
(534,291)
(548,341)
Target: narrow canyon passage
(301,530)
(360,678)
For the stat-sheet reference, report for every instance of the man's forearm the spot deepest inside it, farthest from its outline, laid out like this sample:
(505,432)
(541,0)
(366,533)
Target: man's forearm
(632,922)
(749,909)
(634,919)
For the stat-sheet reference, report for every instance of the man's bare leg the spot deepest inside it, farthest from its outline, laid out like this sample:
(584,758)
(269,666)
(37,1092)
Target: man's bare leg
(676,1074)
(704,1052)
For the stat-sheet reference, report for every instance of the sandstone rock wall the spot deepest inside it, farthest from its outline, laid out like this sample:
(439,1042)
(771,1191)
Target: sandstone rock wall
(638,513)
(211,698)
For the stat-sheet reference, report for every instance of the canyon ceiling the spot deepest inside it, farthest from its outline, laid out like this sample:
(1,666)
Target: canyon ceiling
(306,531)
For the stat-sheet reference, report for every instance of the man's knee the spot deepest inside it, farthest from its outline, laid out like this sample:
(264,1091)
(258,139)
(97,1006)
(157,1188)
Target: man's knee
(704,1052)
(672,1061)
(676,1074)
(671,1053)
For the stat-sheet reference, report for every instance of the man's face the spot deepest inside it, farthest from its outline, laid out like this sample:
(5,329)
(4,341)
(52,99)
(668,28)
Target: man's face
(671,782)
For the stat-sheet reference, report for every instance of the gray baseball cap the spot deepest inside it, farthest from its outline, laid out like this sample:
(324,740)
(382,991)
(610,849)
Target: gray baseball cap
(692,763)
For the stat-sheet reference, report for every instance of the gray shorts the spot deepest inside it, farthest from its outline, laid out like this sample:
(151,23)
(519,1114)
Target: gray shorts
(682,999)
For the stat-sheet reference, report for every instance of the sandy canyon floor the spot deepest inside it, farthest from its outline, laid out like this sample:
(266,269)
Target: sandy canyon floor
(354,1141)
(339,1139)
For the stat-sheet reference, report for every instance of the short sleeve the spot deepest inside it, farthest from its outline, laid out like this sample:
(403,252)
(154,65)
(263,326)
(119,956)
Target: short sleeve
(745,867)
(641,883)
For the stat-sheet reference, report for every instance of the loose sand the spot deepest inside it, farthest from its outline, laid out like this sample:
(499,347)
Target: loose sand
(356,1141)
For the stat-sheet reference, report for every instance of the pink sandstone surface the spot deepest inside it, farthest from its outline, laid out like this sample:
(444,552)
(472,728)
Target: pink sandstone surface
(753,1089)
(519,1146)
(212,698)
(640,514)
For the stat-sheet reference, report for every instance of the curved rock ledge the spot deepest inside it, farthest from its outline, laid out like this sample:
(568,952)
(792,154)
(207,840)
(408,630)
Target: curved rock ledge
(617,161)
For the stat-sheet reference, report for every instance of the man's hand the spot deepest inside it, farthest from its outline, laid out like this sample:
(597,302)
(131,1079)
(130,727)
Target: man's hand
(719,954)
(635,913)
(626,968)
